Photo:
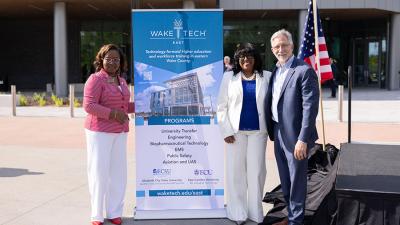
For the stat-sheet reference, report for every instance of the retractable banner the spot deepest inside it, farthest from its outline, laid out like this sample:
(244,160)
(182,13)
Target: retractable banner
(179,150)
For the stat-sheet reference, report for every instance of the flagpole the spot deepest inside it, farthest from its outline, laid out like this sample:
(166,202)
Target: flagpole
(319,70)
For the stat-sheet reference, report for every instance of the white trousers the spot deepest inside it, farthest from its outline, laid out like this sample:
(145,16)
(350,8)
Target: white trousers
(107,169)
(246,172)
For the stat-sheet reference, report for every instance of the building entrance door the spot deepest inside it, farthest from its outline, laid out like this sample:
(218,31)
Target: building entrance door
(367,63)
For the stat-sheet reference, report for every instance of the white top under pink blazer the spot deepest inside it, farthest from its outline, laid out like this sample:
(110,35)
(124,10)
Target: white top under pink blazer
(101,96)
(230,102)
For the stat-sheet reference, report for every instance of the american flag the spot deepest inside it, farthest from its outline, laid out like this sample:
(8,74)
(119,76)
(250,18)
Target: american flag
(307,51)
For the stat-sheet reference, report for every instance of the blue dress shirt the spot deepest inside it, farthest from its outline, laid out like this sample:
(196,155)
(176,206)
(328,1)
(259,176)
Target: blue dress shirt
(249,114)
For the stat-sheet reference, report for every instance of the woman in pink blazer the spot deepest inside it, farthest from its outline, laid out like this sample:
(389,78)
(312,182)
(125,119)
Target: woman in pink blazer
(106,100)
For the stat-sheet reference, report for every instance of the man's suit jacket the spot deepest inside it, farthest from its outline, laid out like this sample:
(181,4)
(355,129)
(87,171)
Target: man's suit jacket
(230,100)
(297,105)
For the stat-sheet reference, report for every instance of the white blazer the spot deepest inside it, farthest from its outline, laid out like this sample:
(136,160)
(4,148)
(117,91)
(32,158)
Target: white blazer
(230,101)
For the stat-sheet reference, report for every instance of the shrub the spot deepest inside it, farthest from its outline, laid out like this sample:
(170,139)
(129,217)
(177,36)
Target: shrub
(42,102)
(77,103)
(57,101)
(23,100)
(36,97)
(40,99)
(53,97)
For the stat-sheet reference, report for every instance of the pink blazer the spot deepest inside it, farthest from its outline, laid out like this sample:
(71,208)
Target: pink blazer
(99,97)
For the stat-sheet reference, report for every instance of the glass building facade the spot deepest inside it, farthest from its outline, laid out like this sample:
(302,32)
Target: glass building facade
(362,35)
(257,32)
(359,44)
(93,34)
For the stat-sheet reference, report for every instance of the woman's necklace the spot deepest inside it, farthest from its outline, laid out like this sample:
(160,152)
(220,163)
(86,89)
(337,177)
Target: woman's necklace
(248,78)
(112,79)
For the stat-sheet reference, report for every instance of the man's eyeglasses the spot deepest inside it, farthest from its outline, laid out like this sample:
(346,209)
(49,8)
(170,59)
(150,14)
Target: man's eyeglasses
(283,46)
(112,60)
(243,58)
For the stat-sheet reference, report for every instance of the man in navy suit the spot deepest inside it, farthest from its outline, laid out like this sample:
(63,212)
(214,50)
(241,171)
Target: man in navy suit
(291,108)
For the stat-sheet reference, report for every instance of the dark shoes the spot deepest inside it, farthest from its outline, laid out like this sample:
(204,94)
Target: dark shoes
(283,222)
(240,222)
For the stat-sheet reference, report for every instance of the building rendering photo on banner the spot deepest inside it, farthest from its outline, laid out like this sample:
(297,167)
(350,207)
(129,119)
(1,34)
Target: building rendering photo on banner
(183,97)
(179,151)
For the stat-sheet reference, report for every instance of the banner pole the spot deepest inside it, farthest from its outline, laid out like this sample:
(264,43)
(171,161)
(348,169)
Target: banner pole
(319,70)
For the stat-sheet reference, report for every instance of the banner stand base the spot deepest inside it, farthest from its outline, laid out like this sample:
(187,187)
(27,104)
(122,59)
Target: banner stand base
(179,214)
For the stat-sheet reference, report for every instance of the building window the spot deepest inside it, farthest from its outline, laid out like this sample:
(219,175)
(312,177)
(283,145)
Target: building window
(95,34)
(259,33)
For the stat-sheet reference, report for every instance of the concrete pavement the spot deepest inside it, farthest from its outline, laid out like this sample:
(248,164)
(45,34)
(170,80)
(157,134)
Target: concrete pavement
(43,174)
(43,160)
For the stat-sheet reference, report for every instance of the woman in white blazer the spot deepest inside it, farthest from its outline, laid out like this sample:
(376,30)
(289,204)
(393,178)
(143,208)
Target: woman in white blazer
(242,123)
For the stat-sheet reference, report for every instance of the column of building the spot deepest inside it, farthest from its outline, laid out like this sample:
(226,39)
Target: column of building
(60,48)
(188,4)
(394,48)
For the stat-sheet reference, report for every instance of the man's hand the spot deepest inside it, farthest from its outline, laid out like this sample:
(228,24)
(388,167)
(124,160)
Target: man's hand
(229,139)
(300,150)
